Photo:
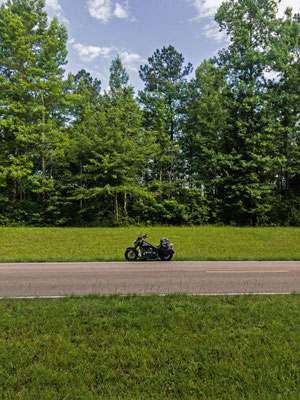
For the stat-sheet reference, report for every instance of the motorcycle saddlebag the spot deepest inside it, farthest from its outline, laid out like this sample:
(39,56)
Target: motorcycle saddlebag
(165,243)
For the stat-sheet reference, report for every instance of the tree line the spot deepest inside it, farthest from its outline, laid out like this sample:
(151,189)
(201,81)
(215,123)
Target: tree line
(221,147)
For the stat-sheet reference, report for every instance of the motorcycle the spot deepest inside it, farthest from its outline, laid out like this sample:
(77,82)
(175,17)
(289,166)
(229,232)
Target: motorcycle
(147,251)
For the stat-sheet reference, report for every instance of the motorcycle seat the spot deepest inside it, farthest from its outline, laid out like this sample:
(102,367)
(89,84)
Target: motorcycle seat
(146,244)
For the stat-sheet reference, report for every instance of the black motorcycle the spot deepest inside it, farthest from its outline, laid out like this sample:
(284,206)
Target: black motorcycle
(146,251)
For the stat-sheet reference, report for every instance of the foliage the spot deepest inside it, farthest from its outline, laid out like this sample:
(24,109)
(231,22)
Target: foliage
(222,147)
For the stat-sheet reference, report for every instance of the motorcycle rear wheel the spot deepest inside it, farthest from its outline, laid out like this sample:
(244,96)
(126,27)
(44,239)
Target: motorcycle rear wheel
(166,258)
(131,255)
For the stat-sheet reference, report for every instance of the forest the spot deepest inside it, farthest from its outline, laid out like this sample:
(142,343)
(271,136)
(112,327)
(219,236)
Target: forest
(213,144)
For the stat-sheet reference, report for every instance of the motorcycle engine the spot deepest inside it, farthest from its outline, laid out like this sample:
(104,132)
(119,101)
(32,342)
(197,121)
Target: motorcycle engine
(148,251)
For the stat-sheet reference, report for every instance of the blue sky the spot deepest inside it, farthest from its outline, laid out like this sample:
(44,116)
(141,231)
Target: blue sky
(99,30)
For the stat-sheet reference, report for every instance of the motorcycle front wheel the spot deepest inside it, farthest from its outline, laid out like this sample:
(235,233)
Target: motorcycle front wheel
(131,255)
(166,258)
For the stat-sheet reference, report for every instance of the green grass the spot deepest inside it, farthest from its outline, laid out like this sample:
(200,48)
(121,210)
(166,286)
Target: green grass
(152,347)
(108,244)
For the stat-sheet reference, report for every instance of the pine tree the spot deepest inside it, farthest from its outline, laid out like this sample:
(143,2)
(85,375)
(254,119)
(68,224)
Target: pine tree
(162,100)
(203,140)
(76,178)
(33,104)
(283,104)
(119,150)
(248,179)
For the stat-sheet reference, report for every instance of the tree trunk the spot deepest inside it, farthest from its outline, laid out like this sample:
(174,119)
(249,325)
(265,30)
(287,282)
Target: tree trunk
(80,201)
(43,137)
(15,184)
(14,191)
(116,207)
(43,147)
(125,203)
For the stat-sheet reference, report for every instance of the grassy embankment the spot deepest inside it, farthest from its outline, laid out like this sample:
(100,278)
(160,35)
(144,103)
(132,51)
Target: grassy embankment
(173,347)
(108,244)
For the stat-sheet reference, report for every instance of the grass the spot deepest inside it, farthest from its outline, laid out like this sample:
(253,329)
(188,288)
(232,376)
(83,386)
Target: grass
(108,244)
(152,347)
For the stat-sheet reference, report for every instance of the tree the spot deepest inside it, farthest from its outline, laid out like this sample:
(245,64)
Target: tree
(162,101)
(76,179)
(120,150)
(248,179)
(119,78)
(17,59)
(203,140)
(283,104)
(33,101)
(164,77)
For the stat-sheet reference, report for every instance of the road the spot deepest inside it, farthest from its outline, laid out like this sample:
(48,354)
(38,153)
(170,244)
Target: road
(195,277)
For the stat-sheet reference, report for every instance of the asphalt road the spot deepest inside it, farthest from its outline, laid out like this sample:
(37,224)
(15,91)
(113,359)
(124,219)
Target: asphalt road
(196,277)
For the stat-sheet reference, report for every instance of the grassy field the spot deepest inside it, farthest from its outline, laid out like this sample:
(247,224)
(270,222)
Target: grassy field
(108,244)
(132,347)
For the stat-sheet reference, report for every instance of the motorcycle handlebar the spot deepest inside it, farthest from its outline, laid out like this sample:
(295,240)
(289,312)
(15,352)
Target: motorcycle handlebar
(142,237)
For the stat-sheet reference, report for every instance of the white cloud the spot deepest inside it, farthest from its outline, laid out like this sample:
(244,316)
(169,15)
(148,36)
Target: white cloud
(284,4)
(96,74)
(54,9)
(212,30)
(105,10)
(100,9)
(89,53)
(205,8)
(121,11)
(131,61)
(208,8)
(53,5)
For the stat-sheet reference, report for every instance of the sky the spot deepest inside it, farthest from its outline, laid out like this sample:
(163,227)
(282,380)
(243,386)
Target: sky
(100,30)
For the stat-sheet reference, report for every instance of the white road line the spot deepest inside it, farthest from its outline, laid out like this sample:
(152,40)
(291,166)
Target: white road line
(147,295)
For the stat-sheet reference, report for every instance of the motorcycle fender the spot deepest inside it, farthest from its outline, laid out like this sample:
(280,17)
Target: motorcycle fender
(166,252)
(131,248)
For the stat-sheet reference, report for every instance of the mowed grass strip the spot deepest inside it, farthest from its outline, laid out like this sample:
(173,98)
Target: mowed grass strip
(133,347)
(109,244)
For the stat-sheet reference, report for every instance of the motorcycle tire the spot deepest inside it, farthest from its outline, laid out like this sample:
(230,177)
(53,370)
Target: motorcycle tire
(166,258)
(131,255)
